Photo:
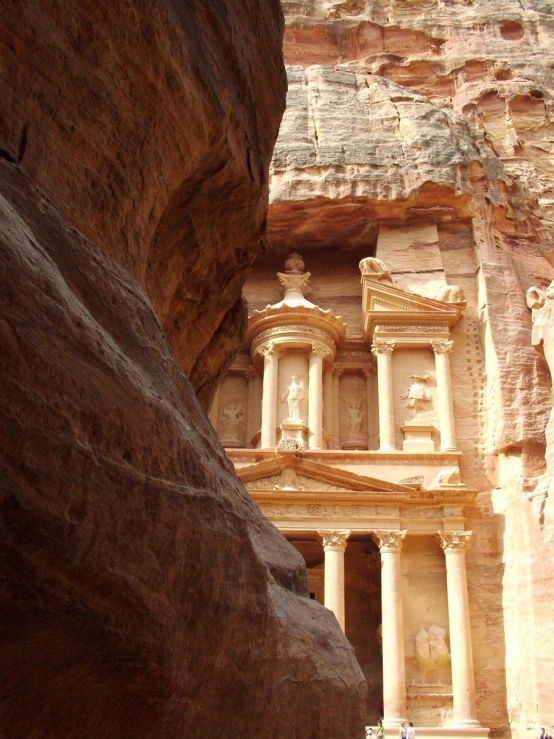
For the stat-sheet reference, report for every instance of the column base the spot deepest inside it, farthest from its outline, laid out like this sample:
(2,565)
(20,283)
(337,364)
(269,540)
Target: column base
(442,732)
(388,449)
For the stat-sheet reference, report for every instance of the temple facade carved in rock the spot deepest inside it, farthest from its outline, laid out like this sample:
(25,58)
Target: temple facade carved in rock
(343,430)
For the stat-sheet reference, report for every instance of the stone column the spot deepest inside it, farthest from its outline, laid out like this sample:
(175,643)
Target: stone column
(269,395)
(315,398)
(442,351)
(334,544)
(328,402)
(383,351)
(258,392)
(461,653)
(336,408)
(369,374)
(213,415)
(394,668)
(251,409)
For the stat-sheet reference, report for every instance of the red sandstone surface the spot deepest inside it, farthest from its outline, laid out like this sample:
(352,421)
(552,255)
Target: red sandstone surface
(143,594)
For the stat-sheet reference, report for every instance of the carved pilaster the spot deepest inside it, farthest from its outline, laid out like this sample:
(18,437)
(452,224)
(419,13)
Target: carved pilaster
(383,349)
(443,350)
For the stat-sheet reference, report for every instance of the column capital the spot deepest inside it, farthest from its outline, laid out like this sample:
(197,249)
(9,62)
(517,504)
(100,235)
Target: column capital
(334,541)
(383,346)
(319,351)
(269,350)
(390,541)
(442,346)
(454,541)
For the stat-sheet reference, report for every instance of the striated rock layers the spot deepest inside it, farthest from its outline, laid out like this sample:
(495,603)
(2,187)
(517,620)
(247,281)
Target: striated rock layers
(143,594)
(421,132)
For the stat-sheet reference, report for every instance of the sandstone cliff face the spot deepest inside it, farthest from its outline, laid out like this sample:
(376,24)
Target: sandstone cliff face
(418,127)
(143,594)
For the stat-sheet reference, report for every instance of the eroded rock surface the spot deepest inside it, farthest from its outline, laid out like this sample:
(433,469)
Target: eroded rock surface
(143,593)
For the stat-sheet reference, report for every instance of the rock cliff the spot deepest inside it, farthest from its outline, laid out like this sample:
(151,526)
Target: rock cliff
(421,131)
(143,594)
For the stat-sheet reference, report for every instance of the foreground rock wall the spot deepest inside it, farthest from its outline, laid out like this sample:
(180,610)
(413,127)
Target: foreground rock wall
(143,594)
(421,131)
(152,134)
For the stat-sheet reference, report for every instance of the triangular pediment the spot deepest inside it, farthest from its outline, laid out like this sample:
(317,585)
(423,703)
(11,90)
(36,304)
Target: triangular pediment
(384,304)
(294,473)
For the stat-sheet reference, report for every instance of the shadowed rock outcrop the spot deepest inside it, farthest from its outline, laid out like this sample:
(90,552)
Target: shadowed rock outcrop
(143,594)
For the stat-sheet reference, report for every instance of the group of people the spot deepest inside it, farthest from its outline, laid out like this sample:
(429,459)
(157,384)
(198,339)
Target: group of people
(406,731)
(544,735)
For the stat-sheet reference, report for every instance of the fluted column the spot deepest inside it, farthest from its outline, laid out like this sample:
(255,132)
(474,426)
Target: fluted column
(269,396)
(461,652)
(315,398)
(383,351)
(328,402)
(251,413)
(334,545)
(336,408)
(394,669)
(442,351)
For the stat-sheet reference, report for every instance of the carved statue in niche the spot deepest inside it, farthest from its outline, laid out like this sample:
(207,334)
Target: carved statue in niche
(541,303)
(431,652)
(417,395)
(294,397)
(354,418)
(231,421)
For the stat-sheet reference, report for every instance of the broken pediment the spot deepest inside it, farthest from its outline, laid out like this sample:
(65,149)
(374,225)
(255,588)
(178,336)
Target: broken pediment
(392,310)
(292,473)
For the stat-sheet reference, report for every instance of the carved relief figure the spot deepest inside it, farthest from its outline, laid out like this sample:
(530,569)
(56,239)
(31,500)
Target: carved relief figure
(447,477)
(231,420)
(432,653)
(423,652)
(294,396)
(417,395)
(440,656)
(542,305)
(354,419)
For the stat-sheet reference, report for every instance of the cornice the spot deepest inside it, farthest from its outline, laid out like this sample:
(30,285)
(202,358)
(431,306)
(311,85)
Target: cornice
(384,499)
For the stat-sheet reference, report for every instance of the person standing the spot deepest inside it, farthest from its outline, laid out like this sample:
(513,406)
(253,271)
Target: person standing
(411,731)
(403,732)
(380,729)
